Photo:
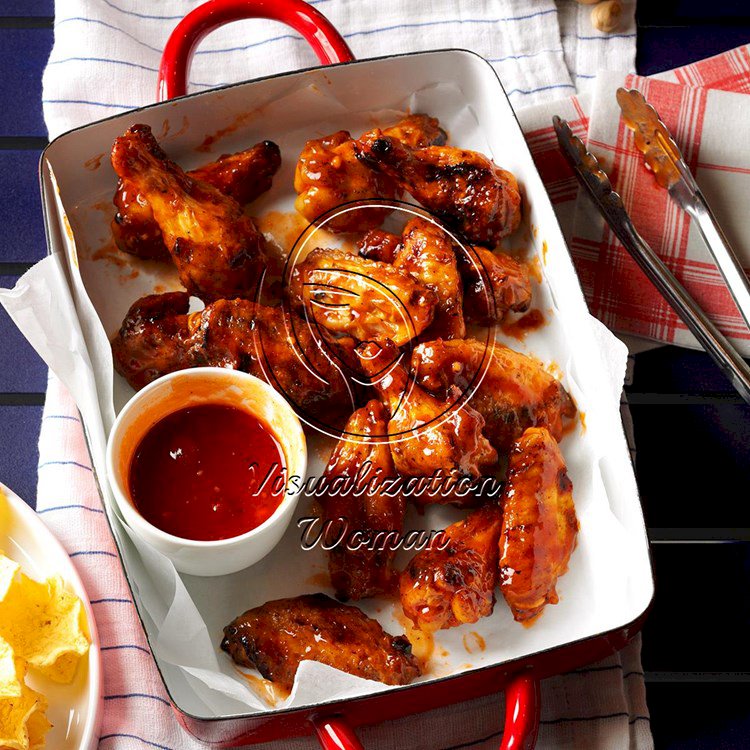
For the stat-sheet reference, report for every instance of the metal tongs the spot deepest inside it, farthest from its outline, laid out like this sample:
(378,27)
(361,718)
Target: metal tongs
(680,182)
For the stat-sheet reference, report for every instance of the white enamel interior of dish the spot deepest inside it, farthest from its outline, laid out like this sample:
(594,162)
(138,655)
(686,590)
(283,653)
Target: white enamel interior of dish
(75,709)
(609,583)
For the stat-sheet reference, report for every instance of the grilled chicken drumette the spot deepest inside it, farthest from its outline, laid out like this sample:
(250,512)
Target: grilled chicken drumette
(215,246)
(242,176)
(347,294)
(496,284)
(278,635)
(427,254)
(539,524)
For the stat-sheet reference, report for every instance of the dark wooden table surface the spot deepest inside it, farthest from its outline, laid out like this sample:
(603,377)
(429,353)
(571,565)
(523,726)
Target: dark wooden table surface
(692,431)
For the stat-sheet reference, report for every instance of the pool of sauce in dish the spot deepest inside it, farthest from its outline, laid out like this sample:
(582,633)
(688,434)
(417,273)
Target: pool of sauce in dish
(206,472)
(518,328)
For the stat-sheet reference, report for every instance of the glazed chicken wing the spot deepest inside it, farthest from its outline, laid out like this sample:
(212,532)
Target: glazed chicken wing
(347,294)
(463,188)
(428,436)
(427,254)
(275,637)
(453,581)
(216,248)
(495,285)
(154,338)
(363,456)
(539,525)
(329,174)
(515,392)
(242,176)
(158,336)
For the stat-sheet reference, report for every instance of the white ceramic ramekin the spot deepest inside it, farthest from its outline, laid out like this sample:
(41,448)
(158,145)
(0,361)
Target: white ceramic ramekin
(206,385)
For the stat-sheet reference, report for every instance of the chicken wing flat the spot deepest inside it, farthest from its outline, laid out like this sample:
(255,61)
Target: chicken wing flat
(427,254)
(363,456)
(428,437)
(275,637)
(216,248)
(515,391)
(242,176)
(377,244)
(346,294)
(495,285)
(328,174)
(453,581)
(539,524)
(158,336)
(463,188)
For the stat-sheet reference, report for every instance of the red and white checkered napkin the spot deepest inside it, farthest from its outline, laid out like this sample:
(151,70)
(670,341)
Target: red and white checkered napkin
(706,109)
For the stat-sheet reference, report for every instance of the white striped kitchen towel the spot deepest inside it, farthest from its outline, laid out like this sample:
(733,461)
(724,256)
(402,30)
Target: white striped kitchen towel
(106,52)
(104,61)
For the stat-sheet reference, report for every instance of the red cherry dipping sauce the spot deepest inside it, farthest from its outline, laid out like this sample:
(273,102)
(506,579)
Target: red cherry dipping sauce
(207,472)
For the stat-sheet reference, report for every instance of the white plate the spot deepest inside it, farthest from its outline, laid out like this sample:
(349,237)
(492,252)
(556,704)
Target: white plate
(74,710)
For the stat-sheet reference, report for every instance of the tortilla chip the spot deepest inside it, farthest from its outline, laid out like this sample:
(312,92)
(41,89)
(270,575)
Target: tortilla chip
(45,625)
(11,672)
(8,570)
(38,725)
(15,715)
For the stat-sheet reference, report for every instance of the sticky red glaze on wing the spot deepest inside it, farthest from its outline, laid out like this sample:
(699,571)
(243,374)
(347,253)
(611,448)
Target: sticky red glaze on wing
(428,436)
(427,254)
(215,246)
(463,188)
(495,285)
(346,294)
(362,457)
(449,586)
(539,525)
(242,176)
(278,635)
(514,391)
(158,336)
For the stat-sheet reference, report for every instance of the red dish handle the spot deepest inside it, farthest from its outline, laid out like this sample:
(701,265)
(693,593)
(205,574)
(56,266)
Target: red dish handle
(523,706)
(335,734)
(522,709)
(327,43)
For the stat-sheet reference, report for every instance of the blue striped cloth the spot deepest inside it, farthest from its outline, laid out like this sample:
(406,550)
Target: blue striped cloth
(106,52)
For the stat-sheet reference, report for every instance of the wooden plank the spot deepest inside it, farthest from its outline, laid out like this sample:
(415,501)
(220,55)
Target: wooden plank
(681,454)
(666,48)
(27,8)
(23,55)
(701,613)
(19,436)
(22,237)
(21,368)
